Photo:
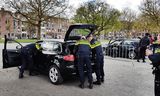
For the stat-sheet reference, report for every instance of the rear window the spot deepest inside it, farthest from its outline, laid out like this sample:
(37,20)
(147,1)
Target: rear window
(131,42)
(51,46)
(80,32)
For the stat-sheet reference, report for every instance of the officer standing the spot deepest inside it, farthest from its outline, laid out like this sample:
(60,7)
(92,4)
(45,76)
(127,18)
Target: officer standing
(83,51)
(97,52)
(155,58)
(27,54)
(144,42)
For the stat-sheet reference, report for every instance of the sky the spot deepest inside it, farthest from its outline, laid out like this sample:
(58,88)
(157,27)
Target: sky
(119,4)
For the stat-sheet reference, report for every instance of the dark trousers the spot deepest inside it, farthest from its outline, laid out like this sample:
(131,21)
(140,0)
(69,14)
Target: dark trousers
(82,60)
(157,83)
(99,67)
(27,61)
(142,53)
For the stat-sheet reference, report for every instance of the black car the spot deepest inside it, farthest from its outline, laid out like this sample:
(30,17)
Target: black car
(104,46)
(57,57)
(126,48)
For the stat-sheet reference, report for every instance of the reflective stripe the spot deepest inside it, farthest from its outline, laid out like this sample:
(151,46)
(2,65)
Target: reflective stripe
(96,44)
(38,46)
(85,42)
(155,42)
(157,49)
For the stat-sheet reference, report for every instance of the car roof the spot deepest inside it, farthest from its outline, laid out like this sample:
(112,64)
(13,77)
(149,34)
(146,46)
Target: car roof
(132,40)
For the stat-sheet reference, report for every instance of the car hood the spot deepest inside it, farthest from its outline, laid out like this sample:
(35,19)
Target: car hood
(91,27)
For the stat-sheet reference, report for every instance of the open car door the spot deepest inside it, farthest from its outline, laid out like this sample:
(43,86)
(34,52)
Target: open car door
(11,53)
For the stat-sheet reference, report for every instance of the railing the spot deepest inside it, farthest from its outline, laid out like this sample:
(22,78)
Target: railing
(121,51)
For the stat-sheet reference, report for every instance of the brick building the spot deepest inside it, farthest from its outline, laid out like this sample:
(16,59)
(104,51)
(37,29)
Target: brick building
(13,28)
(6,23)
(55,27)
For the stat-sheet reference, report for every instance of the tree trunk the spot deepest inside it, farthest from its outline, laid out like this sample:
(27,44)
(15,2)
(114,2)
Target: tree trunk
(39,30)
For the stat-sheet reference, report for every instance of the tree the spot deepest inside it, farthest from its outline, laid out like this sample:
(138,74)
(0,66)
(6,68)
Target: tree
(35,12)
(128,18)
(151,10)
(98,13)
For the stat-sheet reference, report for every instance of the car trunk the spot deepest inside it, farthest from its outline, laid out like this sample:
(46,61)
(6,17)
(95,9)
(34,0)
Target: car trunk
(71,47)
(74,33)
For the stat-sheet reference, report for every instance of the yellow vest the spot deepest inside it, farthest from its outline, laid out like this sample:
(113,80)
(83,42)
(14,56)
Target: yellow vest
(157,50)
(38,46)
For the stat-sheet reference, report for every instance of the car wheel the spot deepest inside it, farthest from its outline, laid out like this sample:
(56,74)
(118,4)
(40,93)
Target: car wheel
(54,75)
(131,55)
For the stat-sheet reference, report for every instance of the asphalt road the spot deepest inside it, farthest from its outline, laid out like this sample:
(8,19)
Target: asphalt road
(123,78)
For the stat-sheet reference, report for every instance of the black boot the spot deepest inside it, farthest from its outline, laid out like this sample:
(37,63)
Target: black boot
(97,82)
(144,61)
(20,75)
(81,85)
(102,79)
(90,86)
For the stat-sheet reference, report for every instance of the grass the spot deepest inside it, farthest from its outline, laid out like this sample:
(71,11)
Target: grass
(34,40)
(21,40)
(1,40)
(26,40)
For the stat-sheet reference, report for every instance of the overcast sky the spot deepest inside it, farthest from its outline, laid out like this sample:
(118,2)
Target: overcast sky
(119,4)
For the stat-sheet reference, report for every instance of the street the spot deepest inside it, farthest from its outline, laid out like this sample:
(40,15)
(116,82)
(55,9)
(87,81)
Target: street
(123,77)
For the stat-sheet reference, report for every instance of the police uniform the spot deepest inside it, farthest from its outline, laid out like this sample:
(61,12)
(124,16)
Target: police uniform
(99,57)
(27,54)
(83,52)
(155,58)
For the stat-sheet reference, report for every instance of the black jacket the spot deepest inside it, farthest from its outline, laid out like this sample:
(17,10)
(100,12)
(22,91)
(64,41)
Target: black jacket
(144,42)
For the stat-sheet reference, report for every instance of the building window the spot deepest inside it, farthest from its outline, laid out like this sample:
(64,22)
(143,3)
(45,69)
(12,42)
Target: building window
(6,21)
(59,30)
(12,34)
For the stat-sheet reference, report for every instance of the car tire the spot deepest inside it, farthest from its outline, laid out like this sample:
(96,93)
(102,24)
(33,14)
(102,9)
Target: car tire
(132,55)
(55,75)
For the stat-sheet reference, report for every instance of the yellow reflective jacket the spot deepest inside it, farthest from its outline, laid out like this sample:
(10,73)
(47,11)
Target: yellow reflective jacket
(157,49)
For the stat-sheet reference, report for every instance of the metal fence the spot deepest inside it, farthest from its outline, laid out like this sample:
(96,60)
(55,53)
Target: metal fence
(125,51)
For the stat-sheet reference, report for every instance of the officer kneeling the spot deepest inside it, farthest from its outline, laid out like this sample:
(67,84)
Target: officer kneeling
(27,54)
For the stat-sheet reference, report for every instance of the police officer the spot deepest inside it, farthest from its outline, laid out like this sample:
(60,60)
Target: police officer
(155,58)
(27,54)
(98,54)
(83,51)
(144,42)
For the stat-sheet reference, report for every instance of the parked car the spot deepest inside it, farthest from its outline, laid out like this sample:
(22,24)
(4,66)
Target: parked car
(57,58)
(104,46)
(127,48)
